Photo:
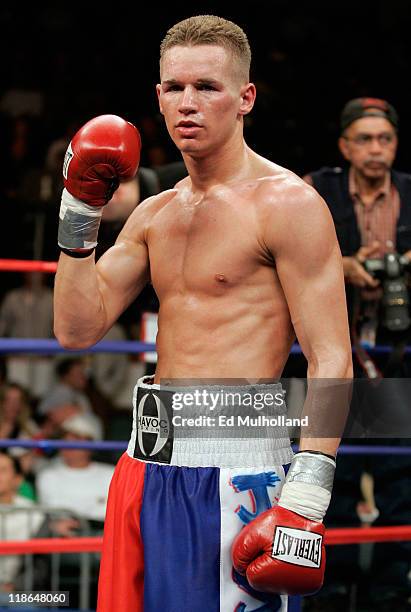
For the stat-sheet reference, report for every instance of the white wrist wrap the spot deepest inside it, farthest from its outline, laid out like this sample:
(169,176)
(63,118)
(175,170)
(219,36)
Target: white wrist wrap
(79,223)
(308,485)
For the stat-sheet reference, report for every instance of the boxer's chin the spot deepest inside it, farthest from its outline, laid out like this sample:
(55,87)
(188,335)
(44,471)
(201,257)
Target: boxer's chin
(188,145)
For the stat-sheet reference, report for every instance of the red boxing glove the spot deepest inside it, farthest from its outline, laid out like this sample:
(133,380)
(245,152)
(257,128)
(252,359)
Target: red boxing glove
(104,152)
(281,552)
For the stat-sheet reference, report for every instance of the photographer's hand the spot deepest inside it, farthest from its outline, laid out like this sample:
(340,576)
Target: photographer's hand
(354,271)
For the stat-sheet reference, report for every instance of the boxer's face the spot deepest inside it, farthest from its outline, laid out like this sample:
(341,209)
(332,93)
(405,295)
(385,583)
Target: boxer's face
(202,97)
(370,145)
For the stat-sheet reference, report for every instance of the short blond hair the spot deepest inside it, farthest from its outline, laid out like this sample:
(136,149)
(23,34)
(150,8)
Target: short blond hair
(210,30)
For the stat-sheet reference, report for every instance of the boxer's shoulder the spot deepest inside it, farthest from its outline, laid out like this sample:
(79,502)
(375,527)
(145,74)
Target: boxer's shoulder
(286,204)
(149,207)
(283,189)
(142,216)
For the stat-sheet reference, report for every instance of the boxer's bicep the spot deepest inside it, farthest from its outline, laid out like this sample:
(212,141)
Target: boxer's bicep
(309,267)
(122,273)
(123,270)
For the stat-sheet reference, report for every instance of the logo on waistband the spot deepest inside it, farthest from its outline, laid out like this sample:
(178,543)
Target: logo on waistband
(153,439)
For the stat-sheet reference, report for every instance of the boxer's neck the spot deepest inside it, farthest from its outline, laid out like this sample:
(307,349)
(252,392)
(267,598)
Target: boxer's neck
(230,163)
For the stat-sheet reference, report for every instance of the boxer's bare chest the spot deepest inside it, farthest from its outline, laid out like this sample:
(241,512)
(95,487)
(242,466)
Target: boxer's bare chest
(206,244)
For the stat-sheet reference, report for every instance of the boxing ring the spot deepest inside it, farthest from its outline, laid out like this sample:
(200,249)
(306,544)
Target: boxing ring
(87,545)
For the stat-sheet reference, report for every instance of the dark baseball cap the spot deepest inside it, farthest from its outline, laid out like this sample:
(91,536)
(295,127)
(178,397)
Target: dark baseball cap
(368,107)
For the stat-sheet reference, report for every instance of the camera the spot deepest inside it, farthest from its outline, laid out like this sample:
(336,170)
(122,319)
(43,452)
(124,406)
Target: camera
(391,271)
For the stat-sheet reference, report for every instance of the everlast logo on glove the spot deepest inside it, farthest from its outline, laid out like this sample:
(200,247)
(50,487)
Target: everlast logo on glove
(154,430)
(281,551)
(297,546)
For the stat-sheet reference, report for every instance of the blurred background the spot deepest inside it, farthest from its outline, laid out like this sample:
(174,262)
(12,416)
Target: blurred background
(62,64)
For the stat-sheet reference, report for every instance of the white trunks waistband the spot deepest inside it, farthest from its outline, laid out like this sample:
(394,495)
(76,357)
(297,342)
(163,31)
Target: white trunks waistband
(160,433)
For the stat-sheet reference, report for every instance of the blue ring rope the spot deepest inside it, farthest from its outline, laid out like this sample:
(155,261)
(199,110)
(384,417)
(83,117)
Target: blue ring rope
(345,449)
(50,346)
(42,346)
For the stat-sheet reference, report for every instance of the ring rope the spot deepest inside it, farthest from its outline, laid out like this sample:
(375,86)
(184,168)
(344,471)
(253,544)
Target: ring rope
(12,345)
(344,449)
(333,537)
(23,265)
(46,346)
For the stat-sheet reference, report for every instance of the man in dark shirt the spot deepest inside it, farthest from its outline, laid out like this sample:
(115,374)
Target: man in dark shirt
(368,199)
(371,208)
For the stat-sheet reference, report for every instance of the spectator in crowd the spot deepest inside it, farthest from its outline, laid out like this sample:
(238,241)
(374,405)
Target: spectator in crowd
(16,422)
(51,178)
(22,154)
(74,489)
(69,394)
(15,413)
(75,481)
(371,206)
(109,370)
(21,524)
(370,202)
(27,312)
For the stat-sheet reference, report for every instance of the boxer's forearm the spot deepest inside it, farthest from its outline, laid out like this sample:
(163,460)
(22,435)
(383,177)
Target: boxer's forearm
(327,403)
(79,314)
(331,363)
(328,446)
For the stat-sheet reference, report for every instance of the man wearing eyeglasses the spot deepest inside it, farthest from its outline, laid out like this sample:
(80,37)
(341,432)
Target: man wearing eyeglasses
(371,207)
(369,201)
(367,198)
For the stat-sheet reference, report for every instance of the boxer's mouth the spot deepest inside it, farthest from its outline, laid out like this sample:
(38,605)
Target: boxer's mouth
(186,123)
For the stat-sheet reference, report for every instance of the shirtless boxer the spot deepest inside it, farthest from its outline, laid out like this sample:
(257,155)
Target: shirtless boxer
(243,257)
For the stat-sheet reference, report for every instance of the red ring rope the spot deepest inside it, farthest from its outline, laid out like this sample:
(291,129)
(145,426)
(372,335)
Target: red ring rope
(69,545)
(23,265)
(355,535)
(50,545)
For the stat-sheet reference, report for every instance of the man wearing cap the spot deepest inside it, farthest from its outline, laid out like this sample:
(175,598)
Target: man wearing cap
(371,207)
(368,199)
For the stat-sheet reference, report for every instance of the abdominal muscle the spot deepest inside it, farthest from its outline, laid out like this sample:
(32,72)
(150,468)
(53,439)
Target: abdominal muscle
(240,335)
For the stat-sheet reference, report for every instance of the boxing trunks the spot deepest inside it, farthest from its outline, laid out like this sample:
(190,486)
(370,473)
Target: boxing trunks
(176,501)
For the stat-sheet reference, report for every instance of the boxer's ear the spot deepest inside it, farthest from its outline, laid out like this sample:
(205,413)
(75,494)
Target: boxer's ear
(247,94)
(158,90)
